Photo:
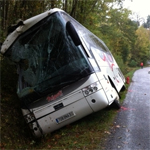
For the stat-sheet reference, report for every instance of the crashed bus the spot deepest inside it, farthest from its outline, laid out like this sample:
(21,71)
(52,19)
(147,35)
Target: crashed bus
(65,72)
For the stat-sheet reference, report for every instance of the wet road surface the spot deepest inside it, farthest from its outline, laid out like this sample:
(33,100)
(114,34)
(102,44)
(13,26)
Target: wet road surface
(131,129)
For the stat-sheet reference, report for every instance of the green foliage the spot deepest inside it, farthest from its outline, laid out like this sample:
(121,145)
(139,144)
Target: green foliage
(120,62)
(133,63)
(141,51)
(119,32)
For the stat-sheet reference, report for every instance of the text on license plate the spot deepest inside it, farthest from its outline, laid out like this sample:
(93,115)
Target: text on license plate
(65,117)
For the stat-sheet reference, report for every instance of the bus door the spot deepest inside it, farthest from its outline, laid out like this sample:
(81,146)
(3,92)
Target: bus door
(103,77)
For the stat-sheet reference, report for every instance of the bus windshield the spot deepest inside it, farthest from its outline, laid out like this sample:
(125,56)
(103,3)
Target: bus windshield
(47,58)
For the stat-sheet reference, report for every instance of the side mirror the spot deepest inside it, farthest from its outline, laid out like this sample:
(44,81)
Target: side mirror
(73,33)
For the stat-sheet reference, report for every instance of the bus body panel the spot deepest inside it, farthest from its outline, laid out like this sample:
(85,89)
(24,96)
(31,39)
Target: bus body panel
(65,101)
(98,100)
(27,25)
(110,69)
(107,87)
(50,122)
(78,109)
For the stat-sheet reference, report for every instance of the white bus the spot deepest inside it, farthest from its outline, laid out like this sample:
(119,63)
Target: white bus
(65,72)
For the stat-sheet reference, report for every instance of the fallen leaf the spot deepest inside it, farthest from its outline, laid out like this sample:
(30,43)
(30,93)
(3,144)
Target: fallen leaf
(49,146)
(75,142)
(107,132)
(124,108)
(117,126)
(57,136)
(125,142)
(119,146)
(127,130)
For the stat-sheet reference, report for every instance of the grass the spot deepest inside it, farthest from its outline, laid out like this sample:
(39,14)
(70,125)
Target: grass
(87,133)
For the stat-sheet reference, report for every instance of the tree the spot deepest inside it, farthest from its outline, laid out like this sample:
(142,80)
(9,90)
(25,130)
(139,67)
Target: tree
(147,23)
(142,46)
(119,32)
(13,10)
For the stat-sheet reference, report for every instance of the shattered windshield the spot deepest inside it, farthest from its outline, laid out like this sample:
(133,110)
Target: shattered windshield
(48,59)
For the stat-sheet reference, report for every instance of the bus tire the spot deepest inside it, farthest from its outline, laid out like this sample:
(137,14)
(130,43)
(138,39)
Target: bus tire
(116,104)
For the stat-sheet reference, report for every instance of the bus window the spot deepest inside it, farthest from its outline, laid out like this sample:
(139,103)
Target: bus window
(48,58)
(88,36)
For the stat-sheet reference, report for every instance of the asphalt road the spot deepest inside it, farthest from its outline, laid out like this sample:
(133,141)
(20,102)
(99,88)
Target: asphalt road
(131,129)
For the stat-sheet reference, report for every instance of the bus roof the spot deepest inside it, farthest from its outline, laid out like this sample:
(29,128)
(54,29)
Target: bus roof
(22,28)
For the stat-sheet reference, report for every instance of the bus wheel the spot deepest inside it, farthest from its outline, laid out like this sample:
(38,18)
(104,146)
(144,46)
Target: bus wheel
(116,104)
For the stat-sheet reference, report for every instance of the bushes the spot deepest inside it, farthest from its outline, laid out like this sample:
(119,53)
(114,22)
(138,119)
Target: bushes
(120,63)
(133,63)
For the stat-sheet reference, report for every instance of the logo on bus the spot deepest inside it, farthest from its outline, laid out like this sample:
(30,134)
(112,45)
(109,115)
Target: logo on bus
(54,97)
(108,58)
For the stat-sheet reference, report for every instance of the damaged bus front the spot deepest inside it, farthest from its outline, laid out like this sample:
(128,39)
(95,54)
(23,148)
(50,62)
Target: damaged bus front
(59,78)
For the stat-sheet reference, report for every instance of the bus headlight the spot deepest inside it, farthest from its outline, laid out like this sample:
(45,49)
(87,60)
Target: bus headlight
(91,88)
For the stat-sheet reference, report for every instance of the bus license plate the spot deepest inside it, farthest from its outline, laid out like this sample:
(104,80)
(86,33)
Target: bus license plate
(65,117)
